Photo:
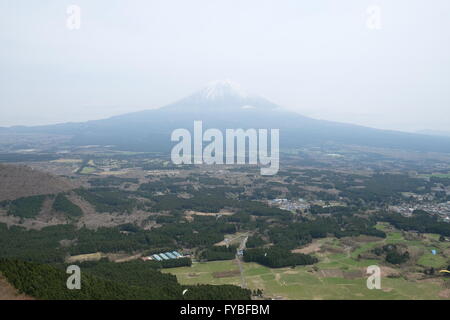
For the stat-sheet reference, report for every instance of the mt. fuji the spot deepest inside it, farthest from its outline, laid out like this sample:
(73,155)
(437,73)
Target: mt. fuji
(225,105)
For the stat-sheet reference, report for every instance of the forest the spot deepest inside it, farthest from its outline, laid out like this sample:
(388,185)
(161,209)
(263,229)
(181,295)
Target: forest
(420,221)
(27,207)
(64,205)
(109,281)
(275,257)
(214,253)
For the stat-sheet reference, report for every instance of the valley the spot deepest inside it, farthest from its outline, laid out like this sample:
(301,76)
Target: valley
(310,231)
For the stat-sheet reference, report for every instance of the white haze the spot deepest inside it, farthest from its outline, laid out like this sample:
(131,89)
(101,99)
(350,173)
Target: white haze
(315,57)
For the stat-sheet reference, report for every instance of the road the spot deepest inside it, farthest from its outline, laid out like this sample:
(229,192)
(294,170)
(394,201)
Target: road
(239,250)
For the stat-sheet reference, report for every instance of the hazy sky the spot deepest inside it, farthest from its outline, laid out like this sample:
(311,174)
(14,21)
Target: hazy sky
(316,57)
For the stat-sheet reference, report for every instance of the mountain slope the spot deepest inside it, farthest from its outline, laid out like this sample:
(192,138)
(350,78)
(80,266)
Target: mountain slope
(225,105)
(21,181)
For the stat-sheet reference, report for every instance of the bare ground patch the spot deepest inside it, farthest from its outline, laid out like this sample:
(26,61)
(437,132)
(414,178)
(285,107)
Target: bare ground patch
(354,274)
(226,274)
(208,214)
(193,275)
(387,271)
(86,257)
(290,272)
(8,292)
(310,248)
(364,239)
(331,249)
(444,294)
(331,273)
(122,257)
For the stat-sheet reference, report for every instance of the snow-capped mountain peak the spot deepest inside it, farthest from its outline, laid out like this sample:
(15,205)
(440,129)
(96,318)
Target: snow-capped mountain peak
(223,88)
(224,96)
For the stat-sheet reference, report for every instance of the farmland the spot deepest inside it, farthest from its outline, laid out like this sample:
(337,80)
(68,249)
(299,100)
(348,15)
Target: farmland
(340,273)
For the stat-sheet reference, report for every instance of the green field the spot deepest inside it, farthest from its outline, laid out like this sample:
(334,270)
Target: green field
(437,175)
(304,283)
(430,260)
(88,170)
(340,273)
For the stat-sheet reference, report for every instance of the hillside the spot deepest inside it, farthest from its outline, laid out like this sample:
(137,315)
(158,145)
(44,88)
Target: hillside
(8,292)
(18,181)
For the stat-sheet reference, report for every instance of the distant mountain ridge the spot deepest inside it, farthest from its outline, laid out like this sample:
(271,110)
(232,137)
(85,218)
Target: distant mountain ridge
(224,104)
(435,133)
